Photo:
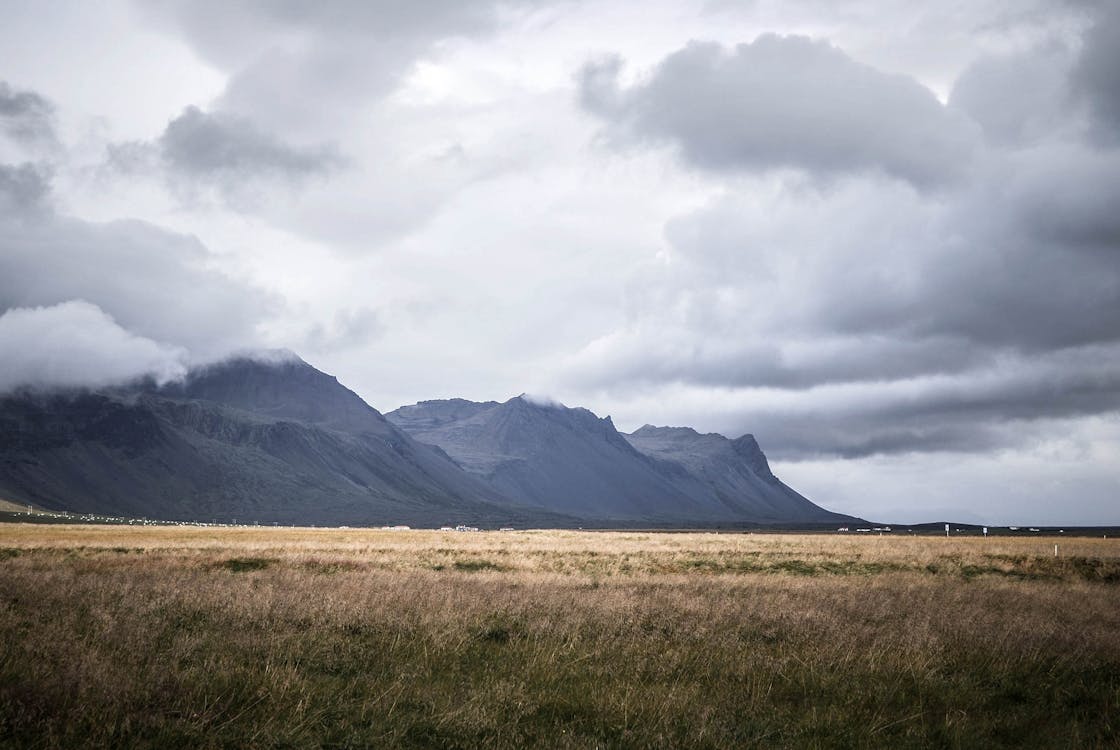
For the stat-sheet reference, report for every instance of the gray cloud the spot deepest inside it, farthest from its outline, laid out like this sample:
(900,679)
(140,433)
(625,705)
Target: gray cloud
(200,151)
(753,360)
(75,344)
(1097,73)
(153,283)
(1027,259)
(1019,98)
(23,189)
(309,74)
(1011,290)
(303,65)
(26,117)
(903,321)
(226,34)
(783,102)
(219,146)
(975,412)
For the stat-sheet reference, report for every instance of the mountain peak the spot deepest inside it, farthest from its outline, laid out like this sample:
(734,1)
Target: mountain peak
(747,447)
(543,402)
(281,387)
(649,430)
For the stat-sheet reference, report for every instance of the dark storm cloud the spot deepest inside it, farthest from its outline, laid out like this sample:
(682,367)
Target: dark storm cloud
(152,283)
(25,116)
(783,102)
(207,145)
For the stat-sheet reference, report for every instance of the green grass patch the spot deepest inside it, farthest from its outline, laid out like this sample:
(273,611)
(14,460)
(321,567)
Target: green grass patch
(247,564)
(476,565)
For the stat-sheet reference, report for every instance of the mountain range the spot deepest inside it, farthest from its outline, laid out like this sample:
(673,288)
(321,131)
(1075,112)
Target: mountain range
(571,461)
(274,440)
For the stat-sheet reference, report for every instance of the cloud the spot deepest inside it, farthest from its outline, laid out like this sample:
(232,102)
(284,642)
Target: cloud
(76,344)
(23,189)
(159,285)
(1096,75)
(202,151)
(228,35)
(305,66)
(783,101)
(1010,404)
(1018,98)
(1066,475)
(348,329)
(216,146)
(26,117)
(868,319)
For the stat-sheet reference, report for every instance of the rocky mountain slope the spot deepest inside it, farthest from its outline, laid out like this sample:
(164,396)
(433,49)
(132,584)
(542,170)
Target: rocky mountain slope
(571,461)
(246,440)
(274,440)
(736,470)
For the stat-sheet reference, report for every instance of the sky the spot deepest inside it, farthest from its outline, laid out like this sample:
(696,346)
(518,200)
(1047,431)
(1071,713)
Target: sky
(882,236)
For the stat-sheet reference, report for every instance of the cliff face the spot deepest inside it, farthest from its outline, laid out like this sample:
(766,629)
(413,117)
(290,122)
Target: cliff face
(736,470)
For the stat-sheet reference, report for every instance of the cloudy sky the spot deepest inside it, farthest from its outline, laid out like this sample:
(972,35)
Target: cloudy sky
(884,238)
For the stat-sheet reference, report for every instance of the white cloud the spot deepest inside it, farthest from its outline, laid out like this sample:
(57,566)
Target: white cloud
(76,344)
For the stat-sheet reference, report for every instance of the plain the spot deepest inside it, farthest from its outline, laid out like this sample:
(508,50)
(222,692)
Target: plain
(243,637)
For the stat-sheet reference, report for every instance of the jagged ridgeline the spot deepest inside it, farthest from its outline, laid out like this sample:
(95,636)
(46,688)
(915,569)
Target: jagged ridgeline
(275,440)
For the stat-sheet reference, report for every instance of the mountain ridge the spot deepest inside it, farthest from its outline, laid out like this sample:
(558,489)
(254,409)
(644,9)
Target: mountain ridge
(240,440)
(274,439)
(477,436)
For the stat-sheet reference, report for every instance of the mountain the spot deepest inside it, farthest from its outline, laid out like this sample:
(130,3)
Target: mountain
(274,440)
(736,470)
(267,441)
(566,460)
(570,461)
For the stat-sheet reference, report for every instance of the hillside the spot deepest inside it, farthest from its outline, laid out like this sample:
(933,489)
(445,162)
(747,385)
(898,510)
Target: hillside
(736,470)
(245,440)
(570,461)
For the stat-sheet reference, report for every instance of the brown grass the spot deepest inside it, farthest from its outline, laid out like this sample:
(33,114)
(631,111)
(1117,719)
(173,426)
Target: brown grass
(156,636)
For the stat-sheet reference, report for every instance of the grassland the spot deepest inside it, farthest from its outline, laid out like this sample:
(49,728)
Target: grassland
(188,637)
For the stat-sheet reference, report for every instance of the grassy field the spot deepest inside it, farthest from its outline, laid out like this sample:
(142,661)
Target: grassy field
(188,637)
